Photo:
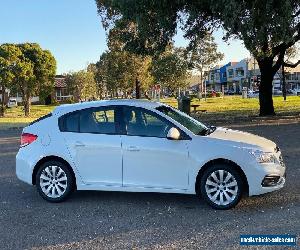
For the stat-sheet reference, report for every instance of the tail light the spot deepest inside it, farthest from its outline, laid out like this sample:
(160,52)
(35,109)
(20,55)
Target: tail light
(27,138)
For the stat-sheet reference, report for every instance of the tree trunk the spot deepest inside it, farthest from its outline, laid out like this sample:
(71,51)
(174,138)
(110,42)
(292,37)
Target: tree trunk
(26,105)
(283,83)
(137,88)
(265,87)
(2,111)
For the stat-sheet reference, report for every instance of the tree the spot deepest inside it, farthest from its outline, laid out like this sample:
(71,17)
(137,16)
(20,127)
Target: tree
(137,65)
(267,28)
(35,73)
(119,70)
(204,56)
(82,84)
(170,69)
(98,78)
(9,55)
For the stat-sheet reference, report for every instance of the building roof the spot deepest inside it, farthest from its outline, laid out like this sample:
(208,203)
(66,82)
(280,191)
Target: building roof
(60,82)
(66,108)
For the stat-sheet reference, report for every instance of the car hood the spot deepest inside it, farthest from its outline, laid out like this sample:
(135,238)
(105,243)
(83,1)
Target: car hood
(243,137)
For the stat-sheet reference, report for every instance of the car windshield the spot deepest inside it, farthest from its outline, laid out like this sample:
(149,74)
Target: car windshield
(188,122)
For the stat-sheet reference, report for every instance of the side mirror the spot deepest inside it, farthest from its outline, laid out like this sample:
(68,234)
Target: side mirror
(173,134)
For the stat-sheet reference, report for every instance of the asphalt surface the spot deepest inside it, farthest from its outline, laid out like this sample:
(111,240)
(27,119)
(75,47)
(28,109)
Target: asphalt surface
(117,220)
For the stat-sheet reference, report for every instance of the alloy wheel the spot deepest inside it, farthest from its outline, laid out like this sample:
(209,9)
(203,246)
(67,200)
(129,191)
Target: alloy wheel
(221,187)
(53,181)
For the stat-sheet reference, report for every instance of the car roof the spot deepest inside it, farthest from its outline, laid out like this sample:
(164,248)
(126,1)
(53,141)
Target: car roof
(66,108)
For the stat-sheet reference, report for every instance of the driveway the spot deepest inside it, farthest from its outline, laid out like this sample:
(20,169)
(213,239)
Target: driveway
(116,220)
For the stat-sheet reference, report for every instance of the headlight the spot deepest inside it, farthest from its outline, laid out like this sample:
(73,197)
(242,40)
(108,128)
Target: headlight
(264,157)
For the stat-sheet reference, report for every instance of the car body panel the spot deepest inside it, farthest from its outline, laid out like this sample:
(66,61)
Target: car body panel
(98,157)
(154,162)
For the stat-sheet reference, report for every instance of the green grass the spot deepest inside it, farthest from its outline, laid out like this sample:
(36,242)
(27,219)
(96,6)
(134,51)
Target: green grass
(235,105)
(218,107)
(14,117)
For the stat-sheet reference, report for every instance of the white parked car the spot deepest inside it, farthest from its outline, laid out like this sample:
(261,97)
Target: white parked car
(12,102)
(277,92)
(296,91)
(252,94)
(142,146)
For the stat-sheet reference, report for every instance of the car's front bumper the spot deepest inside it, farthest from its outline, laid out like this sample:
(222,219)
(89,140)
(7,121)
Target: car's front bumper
(270,177)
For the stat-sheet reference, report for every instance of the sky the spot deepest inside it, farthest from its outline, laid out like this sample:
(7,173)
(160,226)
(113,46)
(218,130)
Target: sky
(72,31)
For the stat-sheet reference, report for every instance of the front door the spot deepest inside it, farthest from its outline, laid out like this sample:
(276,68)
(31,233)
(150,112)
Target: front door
(150,160)
(95,145)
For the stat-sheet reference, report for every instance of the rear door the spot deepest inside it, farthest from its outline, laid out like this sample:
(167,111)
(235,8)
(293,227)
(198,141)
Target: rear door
(92,136)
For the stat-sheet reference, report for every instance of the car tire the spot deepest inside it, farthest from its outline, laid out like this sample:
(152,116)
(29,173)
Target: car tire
(221,186)
(54,181)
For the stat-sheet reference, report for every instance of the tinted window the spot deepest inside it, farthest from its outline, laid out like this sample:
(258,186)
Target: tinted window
(140,122)
(71,122)
(98,120)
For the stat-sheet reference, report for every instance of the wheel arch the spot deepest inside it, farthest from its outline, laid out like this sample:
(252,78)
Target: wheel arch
(221,161)
(50,158)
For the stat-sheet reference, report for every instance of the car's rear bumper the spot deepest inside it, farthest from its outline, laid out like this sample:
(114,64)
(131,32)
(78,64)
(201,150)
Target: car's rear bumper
(23,167)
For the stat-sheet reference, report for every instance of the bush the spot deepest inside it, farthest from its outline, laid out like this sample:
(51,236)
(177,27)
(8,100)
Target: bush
(192,96)
(219,94)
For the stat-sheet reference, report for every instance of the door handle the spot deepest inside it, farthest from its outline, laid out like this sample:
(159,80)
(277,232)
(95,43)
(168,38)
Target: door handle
(133,148)
(79,144)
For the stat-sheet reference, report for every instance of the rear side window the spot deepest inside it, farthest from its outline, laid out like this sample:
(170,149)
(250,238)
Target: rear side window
(72,122)
(69,122)
(100,120)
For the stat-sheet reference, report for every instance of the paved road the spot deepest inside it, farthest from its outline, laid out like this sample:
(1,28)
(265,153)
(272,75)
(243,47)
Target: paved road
(116,220)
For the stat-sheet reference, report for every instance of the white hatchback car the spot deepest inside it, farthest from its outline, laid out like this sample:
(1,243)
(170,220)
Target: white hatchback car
(142,146)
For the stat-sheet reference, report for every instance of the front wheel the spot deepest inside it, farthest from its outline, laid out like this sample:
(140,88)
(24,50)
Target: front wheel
(221,186)
(54,181)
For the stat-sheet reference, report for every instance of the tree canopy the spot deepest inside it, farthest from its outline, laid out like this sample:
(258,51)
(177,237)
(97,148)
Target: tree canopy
(204,56)
(267,28)
(82,84)
(31,71)
(170,69)
(9,56)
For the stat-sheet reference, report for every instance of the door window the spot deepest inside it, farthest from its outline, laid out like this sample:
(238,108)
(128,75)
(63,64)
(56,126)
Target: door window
(98,120)
(141,122)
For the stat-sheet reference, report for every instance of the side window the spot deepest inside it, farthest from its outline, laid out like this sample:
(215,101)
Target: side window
(70,122)
(141,122)
(98,120)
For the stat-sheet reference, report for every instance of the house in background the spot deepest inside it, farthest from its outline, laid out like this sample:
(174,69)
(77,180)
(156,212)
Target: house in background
(223,75)
(213,81)
(236,75)
(61,92)
(233,76)
(292,76)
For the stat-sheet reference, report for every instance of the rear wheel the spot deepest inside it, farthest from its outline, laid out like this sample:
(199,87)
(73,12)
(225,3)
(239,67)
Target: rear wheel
(221,186)
(54,181)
